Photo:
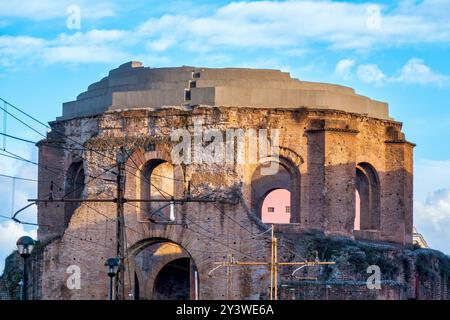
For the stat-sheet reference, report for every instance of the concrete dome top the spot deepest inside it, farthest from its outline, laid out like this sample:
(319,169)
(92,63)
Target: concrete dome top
(132,86)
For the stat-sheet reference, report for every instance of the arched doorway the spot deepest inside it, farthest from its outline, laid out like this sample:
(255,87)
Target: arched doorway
(367,198)
(164,270)
(173,281)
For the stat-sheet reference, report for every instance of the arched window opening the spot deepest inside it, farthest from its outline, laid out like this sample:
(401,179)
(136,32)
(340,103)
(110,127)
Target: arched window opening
(157,182)
(275,196)
(74,188)
(276,207)
(367,198)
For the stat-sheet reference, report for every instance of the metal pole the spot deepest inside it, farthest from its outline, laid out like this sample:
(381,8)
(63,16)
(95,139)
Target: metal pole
(120,276)
(5,110)
(13,194)
(196,284)
(111,288)
(276,267)
(25,279)
(271,267)
(229,275)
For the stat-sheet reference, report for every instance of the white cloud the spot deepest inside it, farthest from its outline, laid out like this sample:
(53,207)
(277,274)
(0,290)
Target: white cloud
(432,209)
(296,52)
(432,219)
(80,47)
(82,54)
(260,63)
(288,26)
(371,73)
(51,9)
(430,175)
(436,9)
(344,68)
(160,44)
(9,233)
(92,37)
(24,190)
(415,71)
(269,24)
(13,49)
(435,209)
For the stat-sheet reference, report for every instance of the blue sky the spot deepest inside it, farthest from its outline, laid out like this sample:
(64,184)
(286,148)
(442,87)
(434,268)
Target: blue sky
(394,52)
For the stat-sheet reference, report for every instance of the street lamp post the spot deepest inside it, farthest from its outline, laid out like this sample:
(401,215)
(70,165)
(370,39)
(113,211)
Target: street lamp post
(113,265)
(25,246)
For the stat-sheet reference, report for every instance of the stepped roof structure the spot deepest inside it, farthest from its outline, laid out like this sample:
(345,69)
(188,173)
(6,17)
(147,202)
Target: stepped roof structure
(133,86)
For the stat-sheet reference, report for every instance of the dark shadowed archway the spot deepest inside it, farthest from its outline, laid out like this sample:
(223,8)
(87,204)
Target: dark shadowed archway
(173,281)
(164,270)
(74,187)
(367,198)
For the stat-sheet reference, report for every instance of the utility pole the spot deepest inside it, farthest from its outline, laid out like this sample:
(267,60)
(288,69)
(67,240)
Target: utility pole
(229,277)
(120,223)
(120,200)
(273,265)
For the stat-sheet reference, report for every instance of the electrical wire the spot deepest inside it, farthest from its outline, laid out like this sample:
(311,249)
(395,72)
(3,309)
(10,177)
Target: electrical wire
(85,149)
(17,178)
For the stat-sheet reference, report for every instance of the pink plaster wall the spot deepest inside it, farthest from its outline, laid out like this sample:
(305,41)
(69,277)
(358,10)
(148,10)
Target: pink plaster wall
(357,211)
(277,199)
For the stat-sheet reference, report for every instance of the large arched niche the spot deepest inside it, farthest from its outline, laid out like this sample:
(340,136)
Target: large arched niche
(163,270)
(74,187)
(367,198)
(287,177)
(155,178)
(156,182)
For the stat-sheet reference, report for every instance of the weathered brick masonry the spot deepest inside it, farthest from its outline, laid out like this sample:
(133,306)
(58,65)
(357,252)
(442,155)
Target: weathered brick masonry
(332,142)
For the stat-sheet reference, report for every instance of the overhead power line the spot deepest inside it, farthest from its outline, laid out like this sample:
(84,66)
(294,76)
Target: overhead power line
(24,113)
(17,178)
(21,121)
(17,138)
(109,157)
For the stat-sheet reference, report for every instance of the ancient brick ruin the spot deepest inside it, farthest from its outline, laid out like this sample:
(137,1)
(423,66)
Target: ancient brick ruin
(333,143)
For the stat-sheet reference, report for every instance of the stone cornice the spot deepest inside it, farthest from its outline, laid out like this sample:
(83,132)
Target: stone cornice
(351,131)
(400,142)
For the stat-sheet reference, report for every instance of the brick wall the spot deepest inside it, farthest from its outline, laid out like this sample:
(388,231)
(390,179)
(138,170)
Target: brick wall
(323,146)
